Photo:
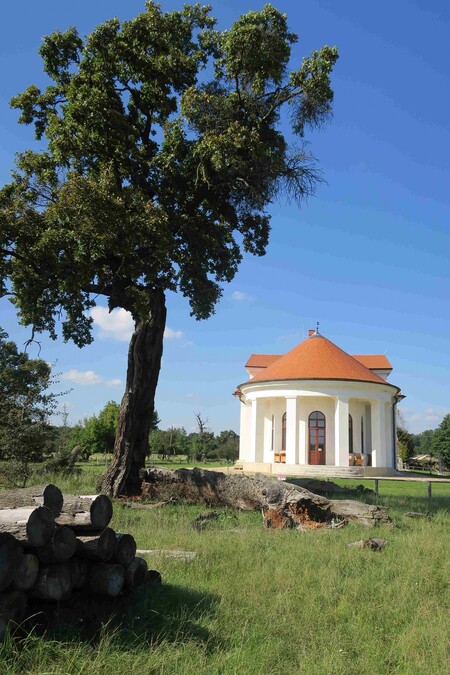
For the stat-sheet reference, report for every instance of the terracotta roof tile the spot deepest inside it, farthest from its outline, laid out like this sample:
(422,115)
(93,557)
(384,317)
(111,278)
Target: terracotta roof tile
(317,358)
(261,360)
(373,361)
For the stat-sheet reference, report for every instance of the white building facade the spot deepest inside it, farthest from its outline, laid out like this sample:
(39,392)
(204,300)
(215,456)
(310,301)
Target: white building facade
(318,410)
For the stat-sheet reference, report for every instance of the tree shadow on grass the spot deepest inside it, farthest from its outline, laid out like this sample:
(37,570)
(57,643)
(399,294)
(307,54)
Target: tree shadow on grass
(172,614)
(148,616)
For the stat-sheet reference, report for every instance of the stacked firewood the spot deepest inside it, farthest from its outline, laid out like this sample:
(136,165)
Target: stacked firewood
(52,546)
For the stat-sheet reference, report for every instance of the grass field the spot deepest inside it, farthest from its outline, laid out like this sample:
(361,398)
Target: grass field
(258,602)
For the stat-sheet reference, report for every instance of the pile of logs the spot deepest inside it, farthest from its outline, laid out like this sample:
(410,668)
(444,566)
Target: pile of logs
(51,547)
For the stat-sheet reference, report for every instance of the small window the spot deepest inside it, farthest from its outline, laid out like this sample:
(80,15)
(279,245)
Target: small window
(362,434)
(283,432)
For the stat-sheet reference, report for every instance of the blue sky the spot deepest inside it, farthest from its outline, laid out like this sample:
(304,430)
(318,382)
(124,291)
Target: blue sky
(367,256)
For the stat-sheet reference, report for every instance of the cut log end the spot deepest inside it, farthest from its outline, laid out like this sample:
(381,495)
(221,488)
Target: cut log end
(106,579)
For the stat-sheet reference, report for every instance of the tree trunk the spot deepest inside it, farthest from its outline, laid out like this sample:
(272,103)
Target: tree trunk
(283,504)
(138,403)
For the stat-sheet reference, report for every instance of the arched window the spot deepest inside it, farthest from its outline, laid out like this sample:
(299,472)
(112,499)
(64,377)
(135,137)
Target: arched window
(283,432)
(317,435)
(350,433)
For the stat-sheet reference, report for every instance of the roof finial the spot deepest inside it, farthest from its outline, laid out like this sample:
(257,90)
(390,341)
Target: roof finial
(317,327)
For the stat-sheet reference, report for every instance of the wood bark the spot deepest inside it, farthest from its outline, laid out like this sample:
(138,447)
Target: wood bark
(13,605)
(54,582)
(248,493)
(26,572)
(84,513)
(106,579)
(101,548)
(40,495)
(33,527)
(78,572)
(125,550)
(136,573)
(10,555)
(137,406)
(61,547)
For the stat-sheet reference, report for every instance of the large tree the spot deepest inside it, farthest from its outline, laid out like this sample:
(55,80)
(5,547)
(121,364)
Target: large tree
(440,445)
(162,149)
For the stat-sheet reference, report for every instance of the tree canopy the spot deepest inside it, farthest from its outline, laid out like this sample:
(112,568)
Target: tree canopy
(162,149)
(25,407)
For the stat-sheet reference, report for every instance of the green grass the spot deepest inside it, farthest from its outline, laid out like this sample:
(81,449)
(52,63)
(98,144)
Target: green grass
(257,602)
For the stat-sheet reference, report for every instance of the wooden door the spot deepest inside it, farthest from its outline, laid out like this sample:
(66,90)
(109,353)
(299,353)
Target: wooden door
(317,431)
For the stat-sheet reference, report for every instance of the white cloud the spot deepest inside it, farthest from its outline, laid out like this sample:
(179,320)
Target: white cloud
(170,333)
(119,324)
(241,297)
(88,377)
(115,325)
(116,382)
(81,376)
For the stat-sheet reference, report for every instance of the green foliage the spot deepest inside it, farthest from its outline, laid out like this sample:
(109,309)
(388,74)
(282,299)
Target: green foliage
(405,443)
(97,433)
(25,408)
(169,443)
(151,177)
(440,444)
(423,442)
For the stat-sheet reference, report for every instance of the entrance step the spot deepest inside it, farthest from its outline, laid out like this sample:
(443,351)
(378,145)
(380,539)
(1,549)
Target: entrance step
(320,471)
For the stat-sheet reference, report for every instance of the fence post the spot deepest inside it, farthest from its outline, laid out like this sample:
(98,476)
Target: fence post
(429,495)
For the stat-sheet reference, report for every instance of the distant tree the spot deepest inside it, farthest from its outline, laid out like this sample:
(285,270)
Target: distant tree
(25,408)
(153,179)
(405,439)
(97,433)
(423,442)
(227,446)
(169,443)
(440,445)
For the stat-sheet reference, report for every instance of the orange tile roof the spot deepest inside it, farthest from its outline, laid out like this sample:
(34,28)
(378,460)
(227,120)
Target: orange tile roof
(261,360)
(373,361)
(317,358)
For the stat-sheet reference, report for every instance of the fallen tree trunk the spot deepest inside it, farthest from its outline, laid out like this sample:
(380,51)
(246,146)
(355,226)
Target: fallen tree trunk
(292,503)
(86,513)
(40,495)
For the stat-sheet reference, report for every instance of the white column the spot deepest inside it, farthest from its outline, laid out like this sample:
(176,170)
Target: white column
(302,430)
(378,425)
(268,411)
(257,431)
(291,430)
(341,432)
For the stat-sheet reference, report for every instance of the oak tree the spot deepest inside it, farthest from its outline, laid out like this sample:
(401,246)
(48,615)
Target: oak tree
(161,147)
